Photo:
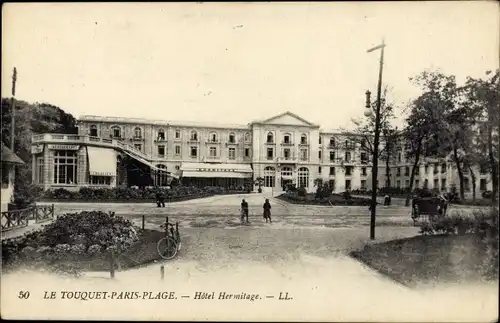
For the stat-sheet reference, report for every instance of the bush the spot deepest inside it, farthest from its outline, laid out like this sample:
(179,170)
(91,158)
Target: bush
(487,194)
(301,192)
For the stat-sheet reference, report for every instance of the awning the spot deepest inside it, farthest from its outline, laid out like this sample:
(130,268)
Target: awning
(147,163)
(8,156)
(210,170)
(216,174)
(102,161)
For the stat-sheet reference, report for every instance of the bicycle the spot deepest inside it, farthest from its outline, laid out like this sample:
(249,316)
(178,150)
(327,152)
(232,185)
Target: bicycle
(170,245)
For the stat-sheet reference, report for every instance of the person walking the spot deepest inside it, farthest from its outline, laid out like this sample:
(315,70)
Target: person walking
(244,211)
(267,211)
(160,198)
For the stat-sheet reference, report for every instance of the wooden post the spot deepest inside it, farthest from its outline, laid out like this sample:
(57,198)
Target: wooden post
(162,272)
(143,220)
(112,265)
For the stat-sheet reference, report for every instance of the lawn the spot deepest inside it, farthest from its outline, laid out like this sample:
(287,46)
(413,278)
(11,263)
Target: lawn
(428,259)
(334,199)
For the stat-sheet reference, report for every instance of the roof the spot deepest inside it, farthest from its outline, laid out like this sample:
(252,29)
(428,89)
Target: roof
(9,157)
(277,118)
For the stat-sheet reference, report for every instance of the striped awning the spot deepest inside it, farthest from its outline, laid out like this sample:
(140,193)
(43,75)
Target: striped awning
(209,170)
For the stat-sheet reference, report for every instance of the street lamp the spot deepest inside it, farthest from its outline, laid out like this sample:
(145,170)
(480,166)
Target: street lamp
(368,113)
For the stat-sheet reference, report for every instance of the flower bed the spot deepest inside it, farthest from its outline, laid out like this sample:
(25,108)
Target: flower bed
(135,195)
(453,249)
(80,242)
(334,199)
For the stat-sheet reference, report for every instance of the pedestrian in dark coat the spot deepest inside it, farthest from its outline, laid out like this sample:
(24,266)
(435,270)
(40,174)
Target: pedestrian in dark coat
(160,199)
(267,211)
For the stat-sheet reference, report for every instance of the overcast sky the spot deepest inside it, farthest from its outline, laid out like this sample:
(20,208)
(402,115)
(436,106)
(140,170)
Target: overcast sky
(236,62)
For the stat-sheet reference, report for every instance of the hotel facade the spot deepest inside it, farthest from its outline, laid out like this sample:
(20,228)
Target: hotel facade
(121,152)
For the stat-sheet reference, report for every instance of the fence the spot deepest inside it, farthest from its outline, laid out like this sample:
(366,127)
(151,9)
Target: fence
(20,218)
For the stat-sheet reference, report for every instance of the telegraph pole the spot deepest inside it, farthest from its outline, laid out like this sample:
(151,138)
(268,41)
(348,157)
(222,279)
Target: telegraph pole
(13,107)
(376,139)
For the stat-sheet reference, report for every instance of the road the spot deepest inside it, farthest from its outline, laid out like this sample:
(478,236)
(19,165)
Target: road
(304,252)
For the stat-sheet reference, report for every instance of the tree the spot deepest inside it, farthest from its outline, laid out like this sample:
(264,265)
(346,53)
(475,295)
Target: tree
(31,119)
(484,94)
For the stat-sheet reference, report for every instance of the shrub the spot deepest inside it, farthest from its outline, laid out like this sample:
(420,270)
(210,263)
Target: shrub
(301,192)
(346,195)
(487,194)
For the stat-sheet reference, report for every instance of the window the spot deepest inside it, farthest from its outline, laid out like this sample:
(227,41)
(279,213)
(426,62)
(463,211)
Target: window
(426,169)
(363,184)
(116,132)
(286,153)
(247,137)
(138,147)
(332,170)
(417,170)
(426,183)
(304,154)
(399,157)
(137,132)
(161,150)
(348,170)
(363,171)
(398,171)
(443,184)
(177,150)
(232,153)
(398,184)
(364,158)
(39,170)
(347,184)
(161,134)
(270,153)
(443,168)
(332,156)
(93,131)
(319,140)
(436,183)
(232,138)
(213,151)
(347,156)
(332,142)
(482,184)
(269,177)
(100,180)
(161,175)
(194,151)
(270,138)
(177,134)
(435,168)
(347,144)
(194,136)
(319,169)
(177,167)
(407,171)
(303,139)
(213,137)
(417,183)
(5,175)
(407,183)
(483,169)
(319,154)
(331,183)
(65,167)
(247,152)
(286,139)
(303,177)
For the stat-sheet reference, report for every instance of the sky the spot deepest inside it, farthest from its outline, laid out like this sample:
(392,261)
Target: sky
(238,62)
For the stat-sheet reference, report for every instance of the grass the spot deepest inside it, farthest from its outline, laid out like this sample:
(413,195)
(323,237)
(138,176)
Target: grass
(334,199)
(427,259)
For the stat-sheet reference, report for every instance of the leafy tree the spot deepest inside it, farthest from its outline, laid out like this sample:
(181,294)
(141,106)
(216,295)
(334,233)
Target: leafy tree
(484,95)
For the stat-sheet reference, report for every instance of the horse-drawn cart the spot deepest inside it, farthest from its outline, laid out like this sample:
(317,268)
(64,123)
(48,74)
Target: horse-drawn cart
(427,209)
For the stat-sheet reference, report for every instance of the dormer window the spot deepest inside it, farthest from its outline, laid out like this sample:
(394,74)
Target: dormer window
(270,138)
(116,132)
(137,132)
(232,138)
(93,131)
(303,139)
(177,134)
(213,137)
(161,134)
(194,135)
(247,137)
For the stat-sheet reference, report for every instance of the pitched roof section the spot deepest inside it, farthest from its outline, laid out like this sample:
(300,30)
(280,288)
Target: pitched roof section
(9,157)
(288,118)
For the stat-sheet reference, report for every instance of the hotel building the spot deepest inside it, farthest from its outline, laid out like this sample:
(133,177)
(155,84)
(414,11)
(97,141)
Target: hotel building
(112,152)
